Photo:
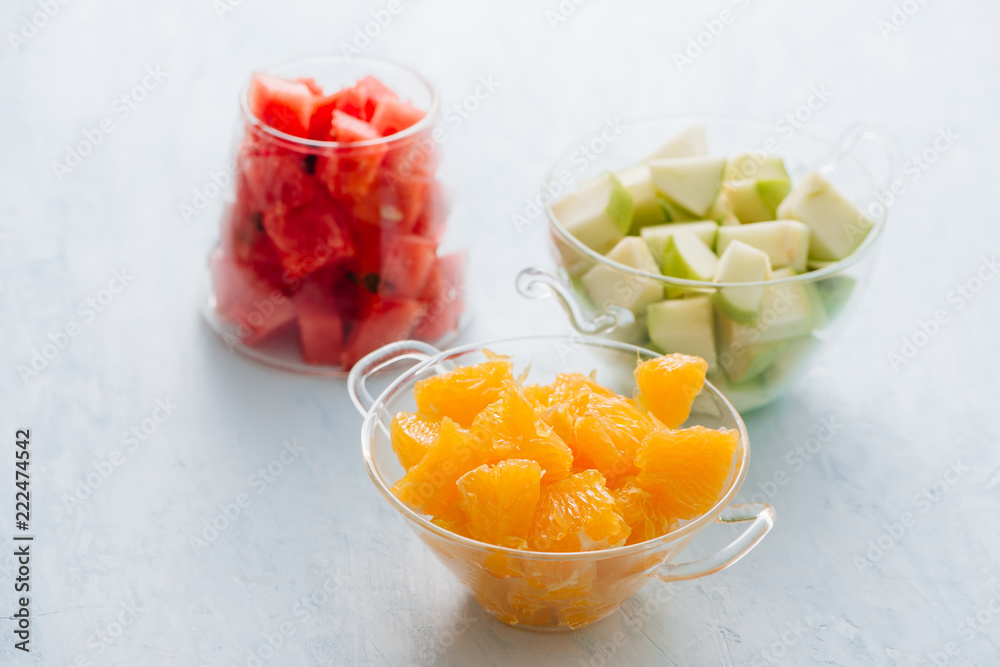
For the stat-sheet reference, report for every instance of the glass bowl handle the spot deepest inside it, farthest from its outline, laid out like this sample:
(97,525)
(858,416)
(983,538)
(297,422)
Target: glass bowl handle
(379,360)
(855,135)
(535,283)
(763,520)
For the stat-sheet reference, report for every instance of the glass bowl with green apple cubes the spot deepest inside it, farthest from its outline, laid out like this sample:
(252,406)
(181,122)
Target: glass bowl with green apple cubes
(742,242)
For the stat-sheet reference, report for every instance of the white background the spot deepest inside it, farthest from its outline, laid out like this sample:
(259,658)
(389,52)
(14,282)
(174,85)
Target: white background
(801,597)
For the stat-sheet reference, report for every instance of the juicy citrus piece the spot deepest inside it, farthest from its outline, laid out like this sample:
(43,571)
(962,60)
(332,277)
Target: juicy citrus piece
(668,385)
(577,514)
(429,486)
(684,471)
(412,435)
(538,393)
(636,506)
(499,501)
(560,420)
(575,389)
(608,436)
(490,427)
(533,438)
(463,393)
(453,520)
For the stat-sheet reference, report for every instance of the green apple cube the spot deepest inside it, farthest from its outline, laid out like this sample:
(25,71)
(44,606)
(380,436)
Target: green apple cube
(722,211)
(689,143)
(817,264)
(598,213)
(683,325)
(645,203)
(746,202)
(687,256)
(609,286)
(772,192)
(674,212)
(747,362)
(656,237)
(786,242)
(790,363)
(692,182)
(834,293)
(756,167)
(837,227)
(741,263)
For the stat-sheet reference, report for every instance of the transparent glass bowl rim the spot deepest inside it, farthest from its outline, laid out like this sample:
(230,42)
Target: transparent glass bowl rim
(809,276)
(367,432)
(430,116)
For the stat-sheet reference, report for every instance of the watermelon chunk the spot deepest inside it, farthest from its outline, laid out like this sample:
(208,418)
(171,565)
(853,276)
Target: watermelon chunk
(381,322)
(275,175)
(321,327)
(375,92)
(393,115)
(433,213)
(258,309)
(351,171)
(244,240)
(308,237)
(444,294)
(407,265)
(285,105)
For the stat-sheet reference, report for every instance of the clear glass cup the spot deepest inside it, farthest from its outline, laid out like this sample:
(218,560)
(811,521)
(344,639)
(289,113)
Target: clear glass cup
(551,591)
(754,363)
(330,249)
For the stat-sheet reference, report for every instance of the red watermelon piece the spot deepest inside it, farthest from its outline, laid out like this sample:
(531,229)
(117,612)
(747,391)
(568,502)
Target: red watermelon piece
(393,115)
(308,237)
(381,321)
(350,171)
(285,105)
(321,327)
(244,240)
(275,175)
(406,266)
(444,294)
(258,309)
(433,213)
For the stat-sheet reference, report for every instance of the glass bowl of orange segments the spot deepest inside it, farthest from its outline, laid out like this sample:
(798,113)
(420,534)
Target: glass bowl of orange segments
(546,591)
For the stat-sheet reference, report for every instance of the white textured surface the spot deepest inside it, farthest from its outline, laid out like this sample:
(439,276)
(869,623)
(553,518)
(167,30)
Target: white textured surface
(800,598)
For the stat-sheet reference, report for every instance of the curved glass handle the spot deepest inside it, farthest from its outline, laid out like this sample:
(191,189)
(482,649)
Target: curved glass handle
(534,283)
(854,135)
(763,520)
(379,360)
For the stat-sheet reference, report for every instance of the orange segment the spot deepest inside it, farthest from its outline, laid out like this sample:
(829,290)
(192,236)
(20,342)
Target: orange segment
(429,486)
(534,439)
(463,393)
(577,514)
(636,506)
(669,384)
(608,436)
(412,435)
(499,501)
(684,471)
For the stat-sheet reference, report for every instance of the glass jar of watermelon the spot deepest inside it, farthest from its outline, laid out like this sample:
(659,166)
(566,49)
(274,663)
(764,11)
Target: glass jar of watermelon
(332,245)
